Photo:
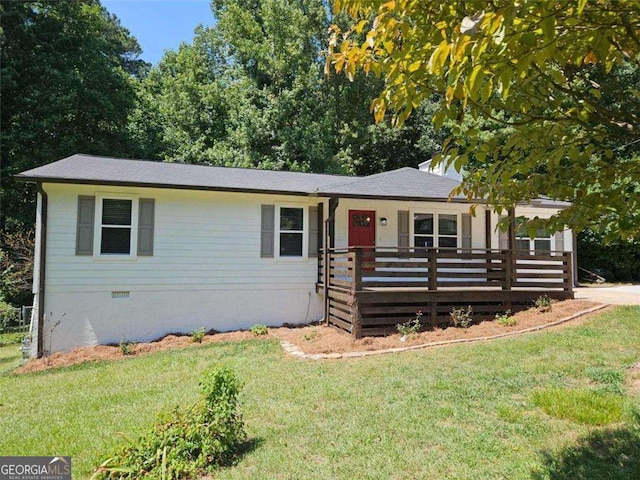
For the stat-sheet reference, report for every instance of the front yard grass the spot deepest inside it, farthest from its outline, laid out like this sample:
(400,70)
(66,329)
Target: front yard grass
(466,411)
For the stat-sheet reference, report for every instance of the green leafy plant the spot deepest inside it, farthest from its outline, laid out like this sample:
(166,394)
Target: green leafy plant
(312,335)
(543,303)
(198,335)
(259,330)
(7,314)
(462,318)
(506,319)
(411,327)
(186,442)
(126,346)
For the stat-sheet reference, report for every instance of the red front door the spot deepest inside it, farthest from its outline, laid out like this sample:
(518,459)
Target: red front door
(362,228)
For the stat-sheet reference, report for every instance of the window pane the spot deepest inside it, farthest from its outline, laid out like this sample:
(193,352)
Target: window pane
(447,225)
(361,220)
(421,241)
(290,244)
(116,212)
(291,218)
(423,223)
(116,241)
(447,242)
(522,245)
(542,246)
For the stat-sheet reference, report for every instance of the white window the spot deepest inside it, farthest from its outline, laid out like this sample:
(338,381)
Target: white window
(435,230)
(290,232)
(116,223)
(540,244)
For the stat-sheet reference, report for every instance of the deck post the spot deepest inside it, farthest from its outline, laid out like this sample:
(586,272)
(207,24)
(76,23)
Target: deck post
(433,269)
(508,269)
(357,270)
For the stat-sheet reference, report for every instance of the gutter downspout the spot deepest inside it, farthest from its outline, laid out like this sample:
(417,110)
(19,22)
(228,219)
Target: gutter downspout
(42,267)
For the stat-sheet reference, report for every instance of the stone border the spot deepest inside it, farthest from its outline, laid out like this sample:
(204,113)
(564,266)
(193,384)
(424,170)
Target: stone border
(295,351)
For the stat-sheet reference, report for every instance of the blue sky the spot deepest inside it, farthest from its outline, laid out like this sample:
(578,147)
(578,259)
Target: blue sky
(160,24)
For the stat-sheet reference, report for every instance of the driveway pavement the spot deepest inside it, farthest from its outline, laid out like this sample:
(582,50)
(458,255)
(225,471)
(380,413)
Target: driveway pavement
(624,295)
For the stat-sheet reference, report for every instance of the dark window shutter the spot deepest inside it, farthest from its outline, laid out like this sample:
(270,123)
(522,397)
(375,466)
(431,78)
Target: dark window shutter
(466,230)
(267,231)
(313,231)
(84,232)
(146,216)
(403,228)
(503,237)
(559,236)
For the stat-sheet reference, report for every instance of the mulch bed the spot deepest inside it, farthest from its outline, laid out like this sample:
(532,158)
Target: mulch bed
(314,339)
(325,340)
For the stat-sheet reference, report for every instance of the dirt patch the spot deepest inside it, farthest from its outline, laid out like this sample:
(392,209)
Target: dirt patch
(324,340)
(107,352)
(633,379)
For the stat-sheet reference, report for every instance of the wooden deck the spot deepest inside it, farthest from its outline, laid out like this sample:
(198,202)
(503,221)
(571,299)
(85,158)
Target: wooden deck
(369,291)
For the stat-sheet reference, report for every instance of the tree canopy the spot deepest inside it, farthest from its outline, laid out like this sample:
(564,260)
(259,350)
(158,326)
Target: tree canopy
(66,88)
(559,81)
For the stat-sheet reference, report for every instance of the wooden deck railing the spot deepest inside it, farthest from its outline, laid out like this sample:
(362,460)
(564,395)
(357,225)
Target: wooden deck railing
(366,268)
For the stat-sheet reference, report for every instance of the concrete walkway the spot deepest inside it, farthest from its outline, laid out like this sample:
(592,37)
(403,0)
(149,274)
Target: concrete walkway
(623,295)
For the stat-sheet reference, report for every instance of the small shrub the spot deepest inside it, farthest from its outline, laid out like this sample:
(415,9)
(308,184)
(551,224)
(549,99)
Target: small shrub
(187,442)
(14,338)
(126,346)
(7,315)
(543,303)
(506,319)
(198,335)
(411,327)
(462,318)
(580,405)
(259,330)
(312,335)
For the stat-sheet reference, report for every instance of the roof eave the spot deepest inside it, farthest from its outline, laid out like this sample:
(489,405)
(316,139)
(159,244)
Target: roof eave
(114,183)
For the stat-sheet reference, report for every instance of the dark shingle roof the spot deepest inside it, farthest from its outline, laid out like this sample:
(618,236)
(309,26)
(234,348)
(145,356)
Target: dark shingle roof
(89,169)
(403,183)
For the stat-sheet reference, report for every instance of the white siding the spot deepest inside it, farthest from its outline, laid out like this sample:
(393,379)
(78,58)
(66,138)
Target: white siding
(206,271)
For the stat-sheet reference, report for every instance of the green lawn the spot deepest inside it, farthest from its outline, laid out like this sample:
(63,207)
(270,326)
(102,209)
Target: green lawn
(472,411)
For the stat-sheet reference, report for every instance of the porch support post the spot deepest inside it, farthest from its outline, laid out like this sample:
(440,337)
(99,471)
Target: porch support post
(487,229)
(333,205)
(512,228)
(325,271)
(329,242)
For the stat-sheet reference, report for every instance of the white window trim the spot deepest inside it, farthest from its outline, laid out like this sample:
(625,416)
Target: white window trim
(305,232)
(436,226)
(97,227)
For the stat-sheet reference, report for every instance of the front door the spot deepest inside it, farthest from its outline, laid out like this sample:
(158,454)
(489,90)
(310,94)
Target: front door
(362,228)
